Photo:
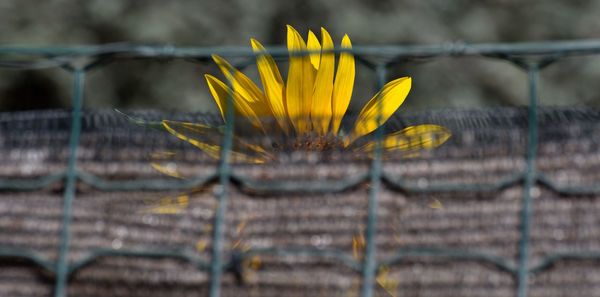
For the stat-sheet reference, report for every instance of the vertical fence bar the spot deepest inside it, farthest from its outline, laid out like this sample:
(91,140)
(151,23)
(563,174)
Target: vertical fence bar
(523,271)
(369,264)
(216,269)
(62,264)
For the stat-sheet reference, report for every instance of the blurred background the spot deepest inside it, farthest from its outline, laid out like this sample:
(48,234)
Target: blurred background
(449,82)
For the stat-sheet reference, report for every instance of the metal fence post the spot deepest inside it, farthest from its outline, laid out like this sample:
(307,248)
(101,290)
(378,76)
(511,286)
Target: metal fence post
(62,264)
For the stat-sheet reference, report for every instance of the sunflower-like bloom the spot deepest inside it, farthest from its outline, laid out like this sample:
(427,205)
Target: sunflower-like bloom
(308,108)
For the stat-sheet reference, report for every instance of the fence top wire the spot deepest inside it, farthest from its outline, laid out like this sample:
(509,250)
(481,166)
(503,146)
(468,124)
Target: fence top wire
(35,57)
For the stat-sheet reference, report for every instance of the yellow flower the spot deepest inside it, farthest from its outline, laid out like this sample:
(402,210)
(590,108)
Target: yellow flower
(308,108)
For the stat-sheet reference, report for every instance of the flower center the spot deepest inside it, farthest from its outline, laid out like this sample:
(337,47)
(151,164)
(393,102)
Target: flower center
(312,143)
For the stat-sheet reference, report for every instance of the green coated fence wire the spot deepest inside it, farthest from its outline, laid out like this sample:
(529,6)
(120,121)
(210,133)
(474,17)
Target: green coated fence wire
(530,57)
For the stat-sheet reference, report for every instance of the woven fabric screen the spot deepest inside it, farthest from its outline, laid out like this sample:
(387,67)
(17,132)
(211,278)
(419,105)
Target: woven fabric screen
(508,206)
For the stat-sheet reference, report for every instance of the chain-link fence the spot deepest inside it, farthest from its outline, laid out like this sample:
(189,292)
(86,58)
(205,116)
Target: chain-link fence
(228,178)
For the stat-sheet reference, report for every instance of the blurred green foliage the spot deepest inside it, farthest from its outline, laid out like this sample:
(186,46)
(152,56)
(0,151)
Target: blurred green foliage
(178,85)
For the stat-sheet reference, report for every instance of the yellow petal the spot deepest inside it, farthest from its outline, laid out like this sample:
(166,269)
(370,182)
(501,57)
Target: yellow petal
(243,86)
(219,92)
(201,245)
(321,102)
(242,107)
(255,262)
(313,45)
(208,139)
(413,138)
(240,226)
(355,248)
(389,284)
(343,85)
(379,109)
(272,84)
(167,170)
(299,83)
(162,155)
(436,204)
(198,135)
(168,205)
